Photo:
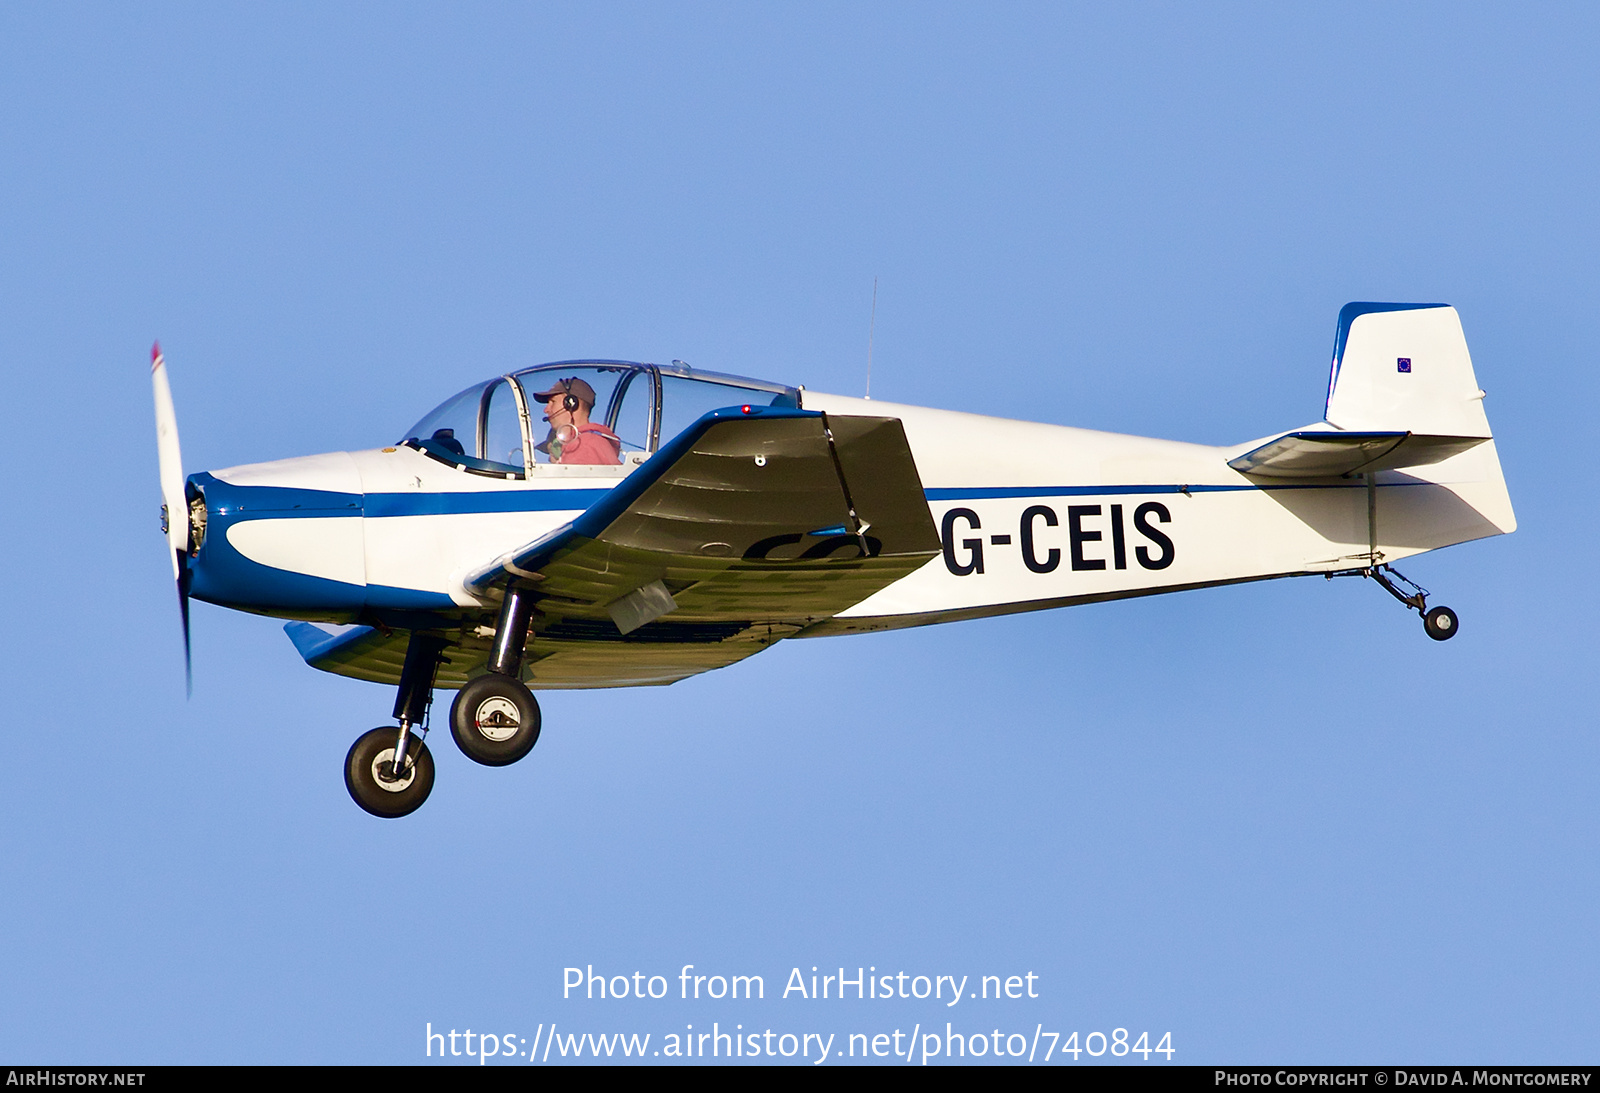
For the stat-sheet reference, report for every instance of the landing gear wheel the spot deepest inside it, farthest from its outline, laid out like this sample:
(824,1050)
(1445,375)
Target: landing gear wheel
(369,774)
(495,720)
(1440,623)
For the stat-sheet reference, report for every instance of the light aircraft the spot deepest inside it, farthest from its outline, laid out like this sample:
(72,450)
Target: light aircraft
(725,514)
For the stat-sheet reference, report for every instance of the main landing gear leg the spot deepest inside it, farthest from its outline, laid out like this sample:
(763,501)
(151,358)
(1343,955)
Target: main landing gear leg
(494,719)
(389,771)
(1439,623)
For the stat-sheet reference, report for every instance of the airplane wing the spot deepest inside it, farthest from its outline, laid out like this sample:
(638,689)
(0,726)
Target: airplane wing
(1312,453)
(751,525)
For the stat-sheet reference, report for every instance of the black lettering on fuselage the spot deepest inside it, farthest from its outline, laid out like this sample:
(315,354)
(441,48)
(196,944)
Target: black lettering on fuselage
(1053,558)
(964,557)
(1119,539)
(974,546)
(1079,535)
(1141,522)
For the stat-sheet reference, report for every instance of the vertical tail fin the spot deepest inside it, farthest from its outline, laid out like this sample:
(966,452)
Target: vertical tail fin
(1404,367)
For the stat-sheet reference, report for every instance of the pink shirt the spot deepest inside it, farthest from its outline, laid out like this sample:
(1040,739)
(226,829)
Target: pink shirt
(594,444)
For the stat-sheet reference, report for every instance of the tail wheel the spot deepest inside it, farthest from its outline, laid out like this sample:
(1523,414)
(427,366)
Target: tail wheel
(495,720)
(373,782)
(1440,624)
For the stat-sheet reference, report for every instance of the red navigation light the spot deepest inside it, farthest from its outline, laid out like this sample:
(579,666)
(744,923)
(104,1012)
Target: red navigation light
(744,409)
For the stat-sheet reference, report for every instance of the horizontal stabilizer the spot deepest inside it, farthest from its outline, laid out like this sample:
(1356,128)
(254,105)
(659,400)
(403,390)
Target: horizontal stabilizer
(1314,454)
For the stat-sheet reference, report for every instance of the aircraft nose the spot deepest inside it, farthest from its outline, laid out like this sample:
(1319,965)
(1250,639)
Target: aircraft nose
(312,476)
(283,537)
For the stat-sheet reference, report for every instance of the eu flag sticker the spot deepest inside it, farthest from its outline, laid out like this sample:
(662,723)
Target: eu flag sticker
(1402,364)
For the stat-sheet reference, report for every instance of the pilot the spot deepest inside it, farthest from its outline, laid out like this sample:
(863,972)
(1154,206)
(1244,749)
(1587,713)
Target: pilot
(574,439)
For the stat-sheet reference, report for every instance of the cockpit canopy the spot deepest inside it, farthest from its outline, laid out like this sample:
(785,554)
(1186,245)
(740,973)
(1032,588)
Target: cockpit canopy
(498,427)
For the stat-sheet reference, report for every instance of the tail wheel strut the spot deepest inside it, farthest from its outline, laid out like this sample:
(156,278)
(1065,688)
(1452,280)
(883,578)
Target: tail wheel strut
(1439,623)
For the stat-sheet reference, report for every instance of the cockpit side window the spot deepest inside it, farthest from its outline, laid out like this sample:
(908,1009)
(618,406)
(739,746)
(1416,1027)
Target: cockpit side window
(629,413)
(623,395)
(685,401)
(502,429)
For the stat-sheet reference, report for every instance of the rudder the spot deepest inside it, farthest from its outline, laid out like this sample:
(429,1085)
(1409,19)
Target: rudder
(1404,367)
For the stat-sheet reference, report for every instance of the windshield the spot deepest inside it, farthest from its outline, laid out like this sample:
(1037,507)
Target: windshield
(479,429)
(454,422)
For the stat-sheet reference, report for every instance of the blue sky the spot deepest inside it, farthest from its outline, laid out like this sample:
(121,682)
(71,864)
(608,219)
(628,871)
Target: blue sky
(1275,821)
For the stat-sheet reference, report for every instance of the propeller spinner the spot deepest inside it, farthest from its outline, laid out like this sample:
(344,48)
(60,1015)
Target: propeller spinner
(175,507)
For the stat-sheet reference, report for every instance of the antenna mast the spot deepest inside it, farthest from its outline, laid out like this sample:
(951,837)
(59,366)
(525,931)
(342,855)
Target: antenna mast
(871,326)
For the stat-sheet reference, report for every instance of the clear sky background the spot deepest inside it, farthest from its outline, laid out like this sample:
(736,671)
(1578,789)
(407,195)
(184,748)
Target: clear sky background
(1275,821)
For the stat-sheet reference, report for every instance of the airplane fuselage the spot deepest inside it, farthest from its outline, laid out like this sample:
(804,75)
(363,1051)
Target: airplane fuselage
(1030,516)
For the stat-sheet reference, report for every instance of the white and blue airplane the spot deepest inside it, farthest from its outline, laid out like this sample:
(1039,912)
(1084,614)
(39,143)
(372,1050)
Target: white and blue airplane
(725,514)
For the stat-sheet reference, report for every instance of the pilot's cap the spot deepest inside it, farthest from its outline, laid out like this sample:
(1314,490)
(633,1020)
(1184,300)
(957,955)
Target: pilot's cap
(574,386)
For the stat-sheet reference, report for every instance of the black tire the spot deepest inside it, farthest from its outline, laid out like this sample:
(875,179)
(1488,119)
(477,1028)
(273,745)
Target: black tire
(1440,623)
(495,720)
(373,754)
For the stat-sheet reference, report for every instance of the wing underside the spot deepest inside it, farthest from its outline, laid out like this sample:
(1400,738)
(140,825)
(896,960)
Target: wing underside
(749,527)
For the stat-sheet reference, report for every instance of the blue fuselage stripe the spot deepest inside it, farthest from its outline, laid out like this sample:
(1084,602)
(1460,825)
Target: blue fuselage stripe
(457,504)
(259,502)
(987,493)
(990,493)
(275,502)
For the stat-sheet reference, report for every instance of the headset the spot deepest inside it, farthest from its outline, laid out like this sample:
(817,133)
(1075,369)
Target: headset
(569,401)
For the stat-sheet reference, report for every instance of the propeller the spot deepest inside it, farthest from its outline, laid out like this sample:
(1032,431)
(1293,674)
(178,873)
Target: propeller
(176,503)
